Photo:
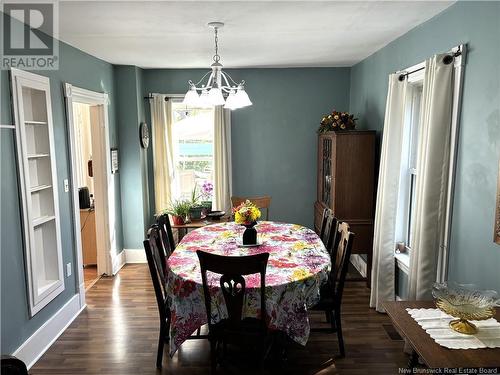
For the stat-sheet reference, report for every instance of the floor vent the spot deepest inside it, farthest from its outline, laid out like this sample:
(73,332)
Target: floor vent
(391,332)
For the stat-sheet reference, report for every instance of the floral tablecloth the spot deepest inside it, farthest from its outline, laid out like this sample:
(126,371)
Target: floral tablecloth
(298,265)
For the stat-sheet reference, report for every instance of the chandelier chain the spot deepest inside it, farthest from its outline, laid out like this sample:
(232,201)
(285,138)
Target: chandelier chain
(216,56)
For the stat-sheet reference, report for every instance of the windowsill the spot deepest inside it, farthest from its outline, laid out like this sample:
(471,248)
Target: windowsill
(403,261)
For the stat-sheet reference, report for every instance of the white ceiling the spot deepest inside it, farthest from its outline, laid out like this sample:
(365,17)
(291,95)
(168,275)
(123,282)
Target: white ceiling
(168,34)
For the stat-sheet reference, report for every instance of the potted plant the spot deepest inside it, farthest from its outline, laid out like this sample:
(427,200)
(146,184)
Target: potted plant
(206,195)
(179,210)
(195,208)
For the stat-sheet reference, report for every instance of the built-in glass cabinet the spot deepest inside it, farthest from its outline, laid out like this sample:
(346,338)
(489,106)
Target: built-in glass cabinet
(38,186)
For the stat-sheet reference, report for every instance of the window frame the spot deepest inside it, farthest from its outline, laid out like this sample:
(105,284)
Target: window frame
(409,171)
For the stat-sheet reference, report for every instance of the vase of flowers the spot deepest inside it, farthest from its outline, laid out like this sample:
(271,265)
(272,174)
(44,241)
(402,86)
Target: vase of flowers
(206,195)
(337,121)
(246,214)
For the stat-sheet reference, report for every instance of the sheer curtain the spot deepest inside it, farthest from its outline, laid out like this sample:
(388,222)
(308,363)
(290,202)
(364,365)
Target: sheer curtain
(387,195)
(222,160)
(433,163)
(161,118)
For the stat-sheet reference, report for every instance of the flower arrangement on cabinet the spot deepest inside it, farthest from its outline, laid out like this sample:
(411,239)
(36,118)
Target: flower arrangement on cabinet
(336,121)
(246,213)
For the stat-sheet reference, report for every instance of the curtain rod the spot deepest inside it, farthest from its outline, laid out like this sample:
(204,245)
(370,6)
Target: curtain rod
(167,97)
(448,59)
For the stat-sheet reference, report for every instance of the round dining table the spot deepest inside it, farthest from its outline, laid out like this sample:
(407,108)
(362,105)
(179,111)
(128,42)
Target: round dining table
(298,266)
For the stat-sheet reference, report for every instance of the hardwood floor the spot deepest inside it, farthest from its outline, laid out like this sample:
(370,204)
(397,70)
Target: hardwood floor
(90,276)
(118,332)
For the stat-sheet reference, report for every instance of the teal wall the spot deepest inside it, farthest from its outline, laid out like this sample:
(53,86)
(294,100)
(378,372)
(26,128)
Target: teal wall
(83,71)
(274,140)
(474,257)
(133,158)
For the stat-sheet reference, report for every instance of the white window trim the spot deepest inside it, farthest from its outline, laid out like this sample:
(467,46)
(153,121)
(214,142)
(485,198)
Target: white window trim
(403,259)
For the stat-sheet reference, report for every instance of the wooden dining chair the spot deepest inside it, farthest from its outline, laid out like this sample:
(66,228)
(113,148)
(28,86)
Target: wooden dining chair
(166,234)
(331,293)
(234,329)
(328,229)
(260,202)
(157,268)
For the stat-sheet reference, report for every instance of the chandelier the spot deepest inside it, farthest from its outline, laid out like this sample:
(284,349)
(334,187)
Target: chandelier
(220,88)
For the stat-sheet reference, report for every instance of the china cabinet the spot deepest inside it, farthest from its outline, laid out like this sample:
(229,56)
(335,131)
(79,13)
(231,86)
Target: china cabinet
(346,184)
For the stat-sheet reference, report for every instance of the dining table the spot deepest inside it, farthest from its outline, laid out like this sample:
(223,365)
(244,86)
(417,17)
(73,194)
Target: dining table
(298,266)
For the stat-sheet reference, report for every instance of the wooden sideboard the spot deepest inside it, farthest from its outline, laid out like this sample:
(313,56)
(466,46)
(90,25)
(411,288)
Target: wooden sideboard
(88,232)
(346,184)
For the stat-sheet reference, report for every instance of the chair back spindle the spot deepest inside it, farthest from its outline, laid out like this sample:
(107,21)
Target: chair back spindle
(328,229)
(157,267)
(166,234)
(340,259)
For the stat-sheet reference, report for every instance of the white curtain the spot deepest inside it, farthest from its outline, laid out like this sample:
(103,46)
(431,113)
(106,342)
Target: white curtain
(161,111)
(433,160)
(222,160)
(387,195)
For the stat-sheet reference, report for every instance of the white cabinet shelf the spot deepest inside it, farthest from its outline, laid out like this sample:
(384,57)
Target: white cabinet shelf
(37,156)
(31,122)
(38,182)
(42,220)
(36,189)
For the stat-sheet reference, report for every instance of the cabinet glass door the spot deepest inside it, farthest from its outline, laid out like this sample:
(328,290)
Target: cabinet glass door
(326,161)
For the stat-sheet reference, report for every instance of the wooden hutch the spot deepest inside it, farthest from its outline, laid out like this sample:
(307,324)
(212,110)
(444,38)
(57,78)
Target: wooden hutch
(346,184)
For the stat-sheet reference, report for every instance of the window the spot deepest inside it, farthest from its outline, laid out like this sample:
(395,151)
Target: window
(193,151)
(409,173)
(411,166)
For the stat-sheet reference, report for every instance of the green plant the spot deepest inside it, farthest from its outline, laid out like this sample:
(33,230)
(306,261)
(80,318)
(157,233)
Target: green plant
(195,197)
(178,208)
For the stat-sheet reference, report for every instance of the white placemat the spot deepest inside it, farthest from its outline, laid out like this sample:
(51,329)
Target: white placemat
(435,323)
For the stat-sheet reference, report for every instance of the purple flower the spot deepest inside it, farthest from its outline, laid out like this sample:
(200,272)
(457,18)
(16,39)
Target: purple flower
(207,189)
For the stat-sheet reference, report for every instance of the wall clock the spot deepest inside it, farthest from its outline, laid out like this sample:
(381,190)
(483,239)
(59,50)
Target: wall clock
(144,135)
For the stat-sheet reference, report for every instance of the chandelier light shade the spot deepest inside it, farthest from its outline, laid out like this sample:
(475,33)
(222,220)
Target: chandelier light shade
(219,88)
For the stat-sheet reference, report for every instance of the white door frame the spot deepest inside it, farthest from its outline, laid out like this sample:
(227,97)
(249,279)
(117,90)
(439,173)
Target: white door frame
(106,244)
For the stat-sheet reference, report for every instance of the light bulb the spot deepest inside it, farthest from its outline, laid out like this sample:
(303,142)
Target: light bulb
(231,102)
(204,101)
(215,96)
(242,98)
(191,99)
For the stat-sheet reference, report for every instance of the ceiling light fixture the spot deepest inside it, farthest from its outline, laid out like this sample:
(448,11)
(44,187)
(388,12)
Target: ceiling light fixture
(220,89)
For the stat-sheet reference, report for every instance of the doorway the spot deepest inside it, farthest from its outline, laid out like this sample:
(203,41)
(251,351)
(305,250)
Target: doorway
(92,185)
(85,122)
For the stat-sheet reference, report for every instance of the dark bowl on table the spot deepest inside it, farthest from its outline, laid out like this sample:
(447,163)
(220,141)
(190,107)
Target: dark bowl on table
(215,215)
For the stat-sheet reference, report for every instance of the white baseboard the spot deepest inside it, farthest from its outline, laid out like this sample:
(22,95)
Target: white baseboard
(135,256)
(118,261)
(38,343)
(359,263)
